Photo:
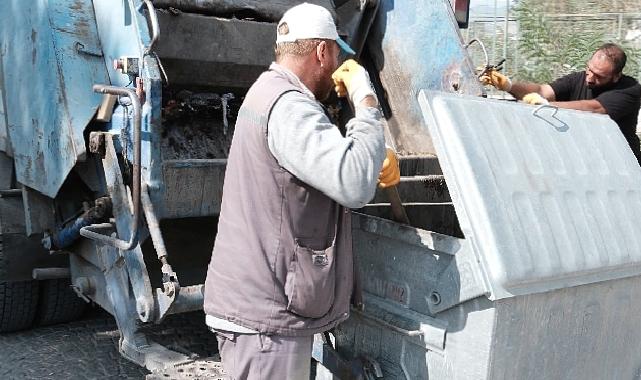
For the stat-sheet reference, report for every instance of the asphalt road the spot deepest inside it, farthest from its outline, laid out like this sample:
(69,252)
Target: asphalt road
(86,349)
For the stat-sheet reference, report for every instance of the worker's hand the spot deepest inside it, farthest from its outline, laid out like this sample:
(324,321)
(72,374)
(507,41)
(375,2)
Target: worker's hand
(352,79)
(390,173)
(496,79)
(534,98)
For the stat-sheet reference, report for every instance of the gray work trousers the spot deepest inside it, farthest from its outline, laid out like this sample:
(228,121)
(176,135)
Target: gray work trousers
(265,357)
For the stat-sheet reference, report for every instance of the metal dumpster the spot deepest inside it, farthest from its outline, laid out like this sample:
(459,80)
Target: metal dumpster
(545,283)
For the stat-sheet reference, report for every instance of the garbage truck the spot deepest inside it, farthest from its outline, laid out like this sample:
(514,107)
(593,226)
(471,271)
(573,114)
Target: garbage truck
(520,257)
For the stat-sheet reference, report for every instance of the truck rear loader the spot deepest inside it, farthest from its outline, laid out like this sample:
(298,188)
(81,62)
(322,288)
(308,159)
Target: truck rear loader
(522,258)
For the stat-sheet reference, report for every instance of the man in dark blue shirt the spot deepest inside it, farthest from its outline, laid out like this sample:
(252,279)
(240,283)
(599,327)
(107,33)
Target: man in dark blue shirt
(601,88)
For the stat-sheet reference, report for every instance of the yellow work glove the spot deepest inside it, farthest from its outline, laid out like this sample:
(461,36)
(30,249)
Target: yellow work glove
(534,98)
(351,79)
(390,173)
(496,79)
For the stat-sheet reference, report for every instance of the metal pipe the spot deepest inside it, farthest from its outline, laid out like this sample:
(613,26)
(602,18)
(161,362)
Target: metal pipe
(155,29)
(99,227)
(153,225)
(494,34)
(91,231)
(487,58)
(409,204)
(171,286)
(190,298)
(10,193)
(507,27)
(68,235)
(50,273)
(388,325)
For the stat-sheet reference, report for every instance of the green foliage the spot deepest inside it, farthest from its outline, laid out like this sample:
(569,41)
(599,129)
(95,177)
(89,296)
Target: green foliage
(552,48)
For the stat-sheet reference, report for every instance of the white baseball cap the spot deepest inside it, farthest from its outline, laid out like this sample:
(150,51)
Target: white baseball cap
(307,21)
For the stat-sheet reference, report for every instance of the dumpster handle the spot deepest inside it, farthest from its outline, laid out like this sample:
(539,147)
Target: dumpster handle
(155,29)
(91,231)
(389,325)
(557,123)
(432,333)
(542,106)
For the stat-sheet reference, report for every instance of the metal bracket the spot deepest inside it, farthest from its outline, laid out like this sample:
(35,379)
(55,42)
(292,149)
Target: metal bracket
(124,223)
(133,343)
(97,144)
(430,334)
(89,231)
(155,29)
(460,281)
(84,286)
(81,49)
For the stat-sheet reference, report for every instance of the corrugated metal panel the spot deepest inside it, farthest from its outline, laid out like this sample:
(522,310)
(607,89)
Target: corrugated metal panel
(548,200)
(51,58)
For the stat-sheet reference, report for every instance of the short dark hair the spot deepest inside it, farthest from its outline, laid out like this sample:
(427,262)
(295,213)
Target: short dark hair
(615,54)
(298,48)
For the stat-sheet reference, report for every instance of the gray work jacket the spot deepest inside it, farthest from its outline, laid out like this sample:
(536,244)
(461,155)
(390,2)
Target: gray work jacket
(282,260)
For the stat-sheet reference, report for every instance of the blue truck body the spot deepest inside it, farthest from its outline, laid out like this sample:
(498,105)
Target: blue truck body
(116,116)
(129,193)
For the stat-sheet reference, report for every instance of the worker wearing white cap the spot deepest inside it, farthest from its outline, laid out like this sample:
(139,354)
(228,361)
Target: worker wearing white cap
(282,268)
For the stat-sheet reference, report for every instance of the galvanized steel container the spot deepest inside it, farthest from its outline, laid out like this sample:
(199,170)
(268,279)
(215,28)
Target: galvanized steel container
(545,283)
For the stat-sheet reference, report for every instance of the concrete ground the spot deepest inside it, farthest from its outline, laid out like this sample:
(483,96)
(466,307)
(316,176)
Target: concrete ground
(86,349)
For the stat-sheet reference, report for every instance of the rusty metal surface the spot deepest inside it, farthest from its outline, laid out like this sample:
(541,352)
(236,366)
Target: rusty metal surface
(196,139)
(194,145)
(416,45)
(265,10)
(199,51)
(193,125)
(122,34)
(49,78)
(192,187)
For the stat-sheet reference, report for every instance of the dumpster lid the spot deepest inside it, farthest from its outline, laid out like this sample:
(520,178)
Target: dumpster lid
(547,198)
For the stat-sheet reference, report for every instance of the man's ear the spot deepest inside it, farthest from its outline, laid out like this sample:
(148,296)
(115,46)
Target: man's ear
(321,51)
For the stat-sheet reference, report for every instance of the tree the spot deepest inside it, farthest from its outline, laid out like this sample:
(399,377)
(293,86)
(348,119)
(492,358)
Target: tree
(551,48)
